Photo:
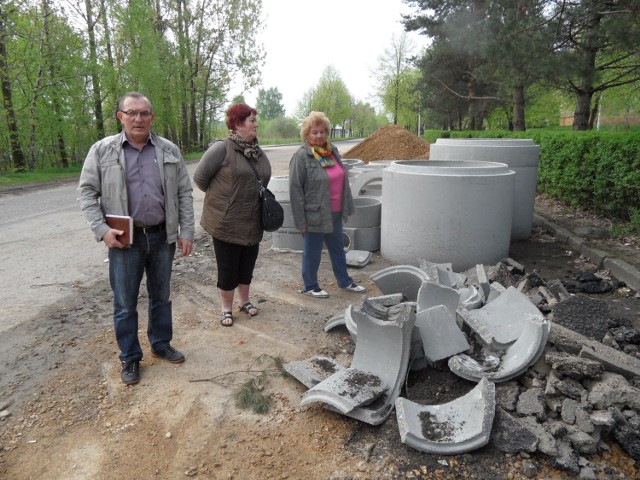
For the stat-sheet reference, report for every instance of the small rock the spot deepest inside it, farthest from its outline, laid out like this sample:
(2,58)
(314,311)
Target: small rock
(529,469)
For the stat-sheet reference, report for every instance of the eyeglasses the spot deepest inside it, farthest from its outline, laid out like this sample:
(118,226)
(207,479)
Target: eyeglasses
(133,114)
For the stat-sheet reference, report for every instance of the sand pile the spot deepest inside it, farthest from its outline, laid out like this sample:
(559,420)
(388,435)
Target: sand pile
(390,142)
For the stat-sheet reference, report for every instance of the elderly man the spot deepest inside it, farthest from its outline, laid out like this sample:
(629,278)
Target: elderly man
(142,175)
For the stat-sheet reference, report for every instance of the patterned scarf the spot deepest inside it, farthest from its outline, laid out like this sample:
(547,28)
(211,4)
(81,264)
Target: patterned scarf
(324,155)
(251,149)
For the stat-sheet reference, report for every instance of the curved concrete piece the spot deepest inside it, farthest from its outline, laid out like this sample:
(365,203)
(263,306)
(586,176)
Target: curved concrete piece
(464,217)
(440,334)
(362,238)
(358,258)
(405,279)
(516,360)
(383,349)
(313,370)
(484,141)
(367,213)
(521,155)
(345,390)
(366,182)
(500,322)
(456,427)
(349,163)
(470,298)
(335,321)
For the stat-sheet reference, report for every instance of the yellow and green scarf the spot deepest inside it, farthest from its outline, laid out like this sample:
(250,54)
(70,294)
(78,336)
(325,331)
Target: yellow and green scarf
(324,155)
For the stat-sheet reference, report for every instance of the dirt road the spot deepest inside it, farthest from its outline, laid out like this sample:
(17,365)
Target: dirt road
(66,415)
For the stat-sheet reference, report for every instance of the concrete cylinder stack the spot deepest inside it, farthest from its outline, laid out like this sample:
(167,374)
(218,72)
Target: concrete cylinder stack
(521,155)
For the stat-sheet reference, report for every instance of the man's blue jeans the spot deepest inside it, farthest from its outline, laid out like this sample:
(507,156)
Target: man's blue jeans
(312,253)
(150,254)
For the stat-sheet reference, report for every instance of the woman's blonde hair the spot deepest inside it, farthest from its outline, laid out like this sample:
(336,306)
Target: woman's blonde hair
(314,118)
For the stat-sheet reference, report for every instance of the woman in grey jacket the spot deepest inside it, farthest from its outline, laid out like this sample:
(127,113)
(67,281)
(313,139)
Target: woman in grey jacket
(320,200)
(231,211)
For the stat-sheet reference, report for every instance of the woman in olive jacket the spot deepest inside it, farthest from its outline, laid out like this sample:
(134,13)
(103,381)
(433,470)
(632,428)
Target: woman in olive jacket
(320,200)
(231,210)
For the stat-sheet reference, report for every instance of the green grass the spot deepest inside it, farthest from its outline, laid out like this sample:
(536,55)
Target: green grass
(40,176)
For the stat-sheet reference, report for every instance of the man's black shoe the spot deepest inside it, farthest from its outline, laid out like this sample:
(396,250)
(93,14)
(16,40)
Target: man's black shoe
(130,374)
(169,353)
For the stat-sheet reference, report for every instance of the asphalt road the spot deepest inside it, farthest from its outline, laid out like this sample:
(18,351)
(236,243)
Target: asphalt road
(47,247)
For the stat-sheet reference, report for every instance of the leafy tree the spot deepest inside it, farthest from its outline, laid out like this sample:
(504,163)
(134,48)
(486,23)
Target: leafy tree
(364,120)
(394,85)
(279,127)
(269,104)
(332,97)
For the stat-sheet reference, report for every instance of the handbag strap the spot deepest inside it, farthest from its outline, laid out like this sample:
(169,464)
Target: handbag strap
(262,187)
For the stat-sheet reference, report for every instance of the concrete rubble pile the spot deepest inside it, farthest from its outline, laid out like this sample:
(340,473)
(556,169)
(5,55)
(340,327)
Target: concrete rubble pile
(539,388)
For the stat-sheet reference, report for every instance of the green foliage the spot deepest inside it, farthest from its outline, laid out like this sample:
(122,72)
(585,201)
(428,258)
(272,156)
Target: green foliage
(269,104)
(251,395)
(279,128)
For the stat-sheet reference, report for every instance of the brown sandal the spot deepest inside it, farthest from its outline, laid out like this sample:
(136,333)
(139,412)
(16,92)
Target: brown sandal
(227,319)
(247,308)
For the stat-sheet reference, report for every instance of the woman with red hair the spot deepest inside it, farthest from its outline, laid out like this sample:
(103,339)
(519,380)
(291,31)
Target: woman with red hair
(231,210)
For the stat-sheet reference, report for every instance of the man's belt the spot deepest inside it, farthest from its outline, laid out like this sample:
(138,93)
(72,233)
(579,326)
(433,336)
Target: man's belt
(150,229)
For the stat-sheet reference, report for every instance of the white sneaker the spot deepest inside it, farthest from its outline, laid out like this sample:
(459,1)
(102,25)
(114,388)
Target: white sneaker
(316,292)
(355,288)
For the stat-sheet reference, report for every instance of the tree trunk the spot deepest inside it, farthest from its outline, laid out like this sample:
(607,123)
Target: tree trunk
(518,109)
(583,108)
(594,112)
(5,84)
(55,101)
(588,69)
(112,88)
(95,76)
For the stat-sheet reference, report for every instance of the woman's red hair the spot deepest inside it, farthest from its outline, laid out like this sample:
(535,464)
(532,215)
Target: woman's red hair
(238,113)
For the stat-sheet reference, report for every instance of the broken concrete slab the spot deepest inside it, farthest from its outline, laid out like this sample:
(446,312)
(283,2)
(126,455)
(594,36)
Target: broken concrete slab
(510,436)
(313,370)
(383,349)
(432,294)
(443,273)
(614,390)
(346,389)
(612,359)
(405,279)
(441,336)
(499,323)
(518,357)
(459,426)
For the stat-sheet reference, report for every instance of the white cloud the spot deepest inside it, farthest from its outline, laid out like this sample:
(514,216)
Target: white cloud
(302,38)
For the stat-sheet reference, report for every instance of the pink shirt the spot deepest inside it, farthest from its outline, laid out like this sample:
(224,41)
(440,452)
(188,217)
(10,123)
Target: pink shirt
(336,185)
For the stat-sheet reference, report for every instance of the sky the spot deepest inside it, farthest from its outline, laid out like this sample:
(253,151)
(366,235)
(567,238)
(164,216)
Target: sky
(301,38)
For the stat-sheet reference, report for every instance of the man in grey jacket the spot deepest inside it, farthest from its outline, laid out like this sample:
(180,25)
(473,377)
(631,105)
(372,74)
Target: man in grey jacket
(142,175)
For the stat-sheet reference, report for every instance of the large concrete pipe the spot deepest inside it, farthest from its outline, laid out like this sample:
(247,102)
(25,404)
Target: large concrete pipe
(520,154)
(457,212)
